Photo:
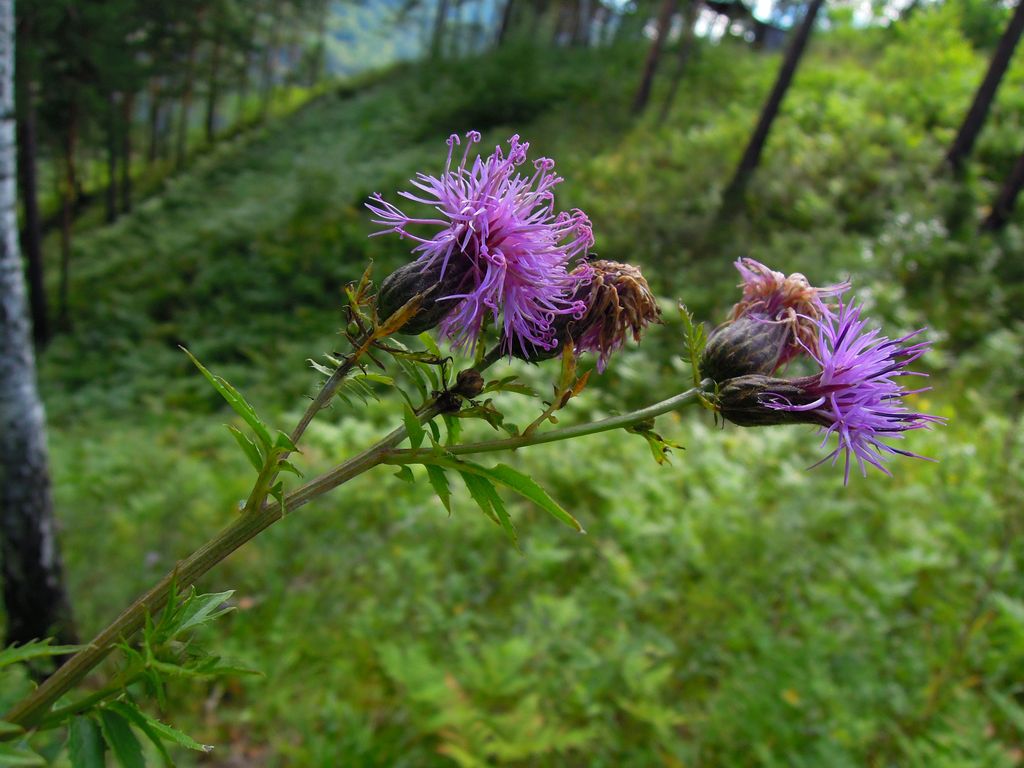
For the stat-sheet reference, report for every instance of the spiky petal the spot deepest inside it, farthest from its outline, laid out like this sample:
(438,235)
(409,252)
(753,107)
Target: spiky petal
(856,395)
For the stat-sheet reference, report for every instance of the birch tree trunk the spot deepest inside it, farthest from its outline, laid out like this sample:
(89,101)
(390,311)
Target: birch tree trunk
(34,594)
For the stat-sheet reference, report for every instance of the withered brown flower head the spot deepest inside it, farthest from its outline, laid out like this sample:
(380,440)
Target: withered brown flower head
(619,305)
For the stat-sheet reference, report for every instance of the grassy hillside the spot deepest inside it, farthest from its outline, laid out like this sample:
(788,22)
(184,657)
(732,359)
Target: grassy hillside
(730,609)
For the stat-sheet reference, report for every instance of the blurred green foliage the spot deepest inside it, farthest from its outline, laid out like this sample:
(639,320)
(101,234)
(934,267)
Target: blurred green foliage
(729,609)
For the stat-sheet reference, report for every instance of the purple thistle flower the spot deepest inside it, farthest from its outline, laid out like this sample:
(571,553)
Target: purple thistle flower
(498,228)
(856,395)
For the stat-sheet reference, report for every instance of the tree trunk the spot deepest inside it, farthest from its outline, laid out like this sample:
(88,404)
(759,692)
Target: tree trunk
(752,156)
(686,45)
(975,119)
(269,56)
(213,90)
(31,239)
(643,93)
(1003,205)
(506,22)
(181,145)
(127,109)
(35,599)
(154,97)
(437,38)
(68,185)
(111,195)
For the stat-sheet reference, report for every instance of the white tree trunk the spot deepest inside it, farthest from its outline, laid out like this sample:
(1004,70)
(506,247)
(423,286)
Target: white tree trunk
(34,595)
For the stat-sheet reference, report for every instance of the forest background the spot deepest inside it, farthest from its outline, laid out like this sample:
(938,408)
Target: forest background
(200,174)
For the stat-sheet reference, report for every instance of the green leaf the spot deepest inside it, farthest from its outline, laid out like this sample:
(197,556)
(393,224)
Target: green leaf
(18,756)
(286,466)
(527,487)
(413,426)
(439,480)
(284,442)
(85,744)
(430,344)
(10,729)
(35,649)
(157,731)
(132,714)
(251,450)
(405,474)
(378,378)
(236,401)
(487,498)
(454,427)
(122,742)
(277,491)
(201,609)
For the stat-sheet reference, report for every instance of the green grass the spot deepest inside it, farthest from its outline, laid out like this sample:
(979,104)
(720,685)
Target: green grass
(730,609)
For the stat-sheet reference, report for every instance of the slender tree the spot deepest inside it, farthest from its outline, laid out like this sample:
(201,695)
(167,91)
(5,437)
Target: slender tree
(752,155)
(686,47)
(643,92)
(1007,197)
(983,98)
(31,239)
(34,595)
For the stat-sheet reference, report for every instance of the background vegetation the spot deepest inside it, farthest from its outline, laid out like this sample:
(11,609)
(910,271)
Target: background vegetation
(729,609)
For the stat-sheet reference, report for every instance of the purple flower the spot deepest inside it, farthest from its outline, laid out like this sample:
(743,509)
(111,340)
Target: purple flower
(856,395)
(499,230)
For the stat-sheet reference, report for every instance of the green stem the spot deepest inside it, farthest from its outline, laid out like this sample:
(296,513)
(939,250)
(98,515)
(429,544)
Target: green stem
(31,710)
(689,397)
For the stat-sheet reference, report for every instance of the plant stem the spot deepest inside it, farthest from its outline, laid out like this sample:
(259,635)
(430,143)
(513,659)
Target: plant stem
(689,397)
(34,707)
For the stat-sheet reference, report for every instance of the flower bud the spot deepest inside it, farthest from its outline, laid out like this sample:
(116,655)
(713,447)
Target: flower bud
(417,278)
(775,321)
(619,304)
(469,383)
(745,347)
(742,401)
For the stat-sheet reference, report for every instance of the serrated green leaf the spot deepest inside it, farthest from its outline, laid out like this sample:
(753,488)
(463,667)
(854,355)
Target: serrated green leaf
(201,609)
(85,744)
(121,740)
(412,426)
(18,756)
(377,378)
(439,481)
(157,731)
(487,498)
(454,427)
(284,442)
(286,466)
(10,729)
(132,714)
(248,446)
(405,474)
(236,401)
(35,649)
(475,484)
(412,371)
(430,344)
(527,487)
